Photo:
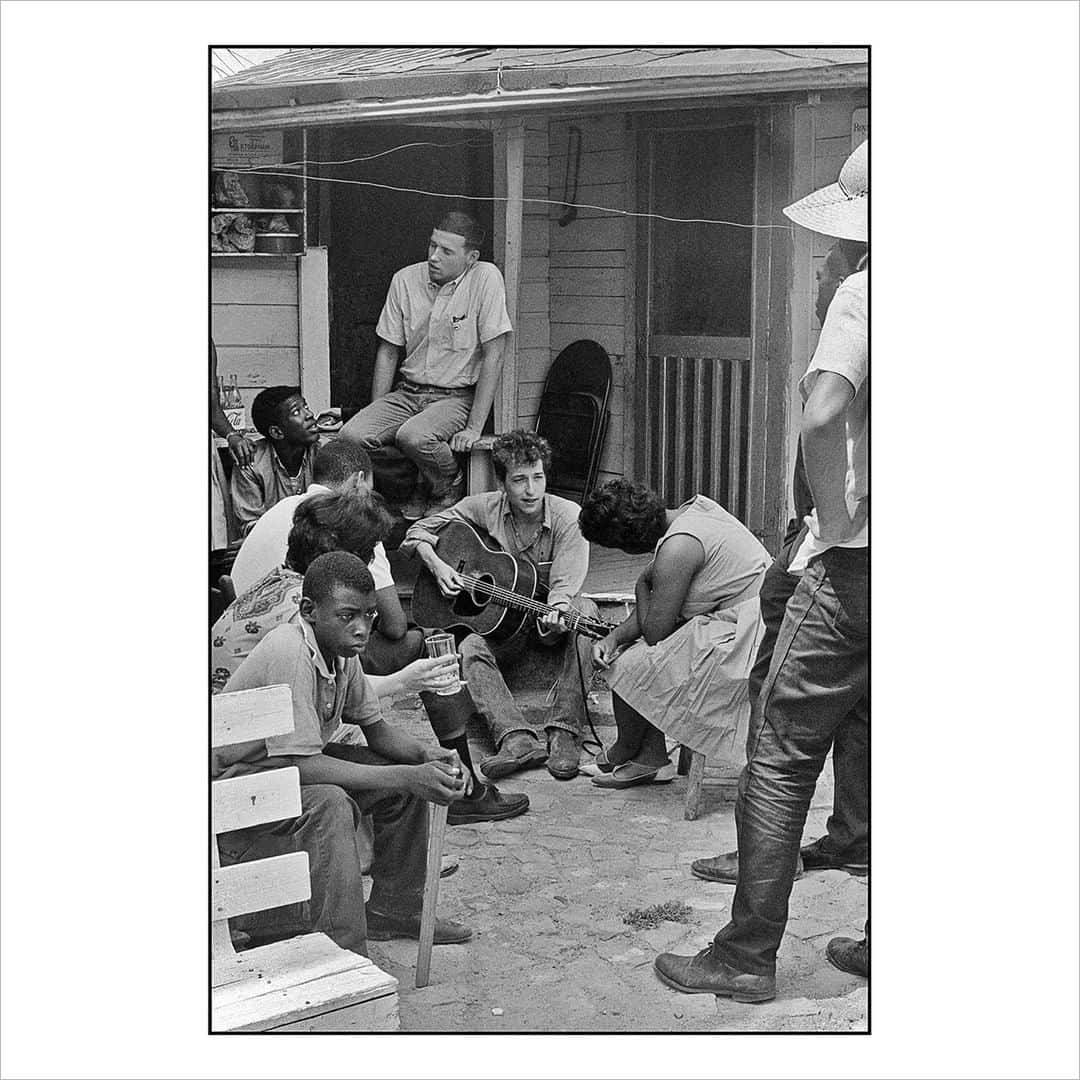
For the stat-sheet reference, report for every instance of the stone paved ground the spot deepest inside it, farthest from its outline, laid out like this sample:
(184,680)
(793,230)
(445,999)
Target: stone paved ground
(545,894)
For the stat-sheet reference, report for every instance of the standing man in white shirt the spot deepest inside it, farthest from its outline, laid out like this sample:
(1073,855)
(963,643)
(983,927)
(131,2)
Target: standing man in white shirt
(442,334)
(820,667)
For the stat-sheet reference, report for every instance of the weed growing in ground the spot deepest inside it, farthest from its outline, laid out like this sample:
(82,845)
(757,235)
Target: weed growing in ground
(651,917)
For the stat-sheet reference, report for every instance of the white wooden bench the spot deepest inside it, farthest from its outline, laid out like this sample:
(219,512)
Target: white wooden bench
(305,983)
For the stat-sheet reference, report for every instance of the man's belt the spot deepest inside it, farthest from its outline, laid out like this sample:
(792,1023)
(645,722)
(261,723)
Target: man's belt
(427,388)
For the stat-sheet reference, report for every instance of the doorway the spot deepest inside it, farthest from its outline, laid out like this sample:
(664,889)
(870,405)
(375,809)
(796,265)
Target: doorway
(705,296)
(372,232)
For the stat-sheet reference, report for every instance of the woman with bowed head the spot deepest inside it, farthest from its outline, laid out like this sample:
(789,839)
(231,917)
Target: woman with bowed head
(678,665)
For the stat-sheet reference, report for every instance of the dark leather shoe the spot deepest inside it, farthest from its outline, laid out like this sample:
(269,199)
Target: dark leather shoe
(490,805)
(849,955)
(816,857)
(724,868)
(703,974)
(385,927)
(515,754)
(563,754)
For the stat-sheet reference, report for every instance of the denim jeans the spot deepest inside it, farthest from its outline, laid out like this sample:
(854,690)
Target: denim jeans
(483,663)
(327,830)
(848,828)
(420,424)
(819,672)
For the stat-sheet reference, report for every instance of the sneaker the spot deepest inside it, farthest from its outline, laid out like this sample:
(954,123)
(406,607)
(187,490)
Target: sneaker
(563,754)
(384,927)
(849,955)
(704,974)
(815,856)
(490,805)
(453,495)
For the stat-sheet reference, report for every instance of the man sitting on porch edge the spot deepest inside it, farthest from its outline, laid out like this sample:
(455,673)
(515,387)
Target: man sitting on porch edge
(448,317)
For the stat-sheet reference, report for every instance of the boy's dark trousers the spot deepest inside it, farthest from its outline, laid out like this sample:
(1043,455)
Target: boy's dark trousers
(327,830)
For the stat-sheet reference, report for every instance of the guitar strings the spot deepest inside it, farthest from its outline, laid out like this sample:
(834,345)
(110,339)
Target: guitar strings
(498,592)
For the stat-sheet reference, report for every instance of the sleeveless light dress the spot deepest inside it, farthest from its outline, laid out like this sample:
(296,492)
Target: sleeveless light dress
(693,684)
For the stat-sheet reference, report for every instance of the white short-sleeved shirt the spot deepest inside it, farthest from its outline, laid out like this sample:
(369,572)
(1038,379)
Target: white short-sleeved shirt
(844,348)
(265,546)
(441,328)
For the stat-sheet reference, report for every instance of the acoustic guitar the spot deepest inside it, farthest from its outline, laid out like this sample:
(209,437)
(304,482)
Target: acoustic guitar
(502,592)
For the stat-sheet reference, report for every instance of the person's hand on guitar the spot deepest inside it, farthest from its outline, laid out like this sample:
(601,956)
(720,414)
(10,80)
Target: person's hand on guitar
(551,625)
(430,673)
(436,781)
(446,577)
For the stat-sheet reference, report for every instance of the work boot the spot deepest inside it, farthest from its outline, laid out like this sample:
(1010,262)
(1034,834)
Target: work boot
(725,868)
(384,927)
(816,856)
(519,750)
(704,974)
(563,754)
(415,508)
(489,804)
(849,955)
(453,494)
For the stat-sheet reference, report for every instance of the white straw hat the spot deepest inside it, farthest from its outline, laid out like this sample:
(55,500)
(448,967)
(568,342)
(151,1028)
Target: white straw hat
(839,209)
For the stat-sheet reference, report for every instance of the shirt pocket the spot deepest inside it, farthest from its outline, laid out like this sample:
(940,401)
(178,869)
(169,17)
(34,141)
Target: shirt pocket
(463,333)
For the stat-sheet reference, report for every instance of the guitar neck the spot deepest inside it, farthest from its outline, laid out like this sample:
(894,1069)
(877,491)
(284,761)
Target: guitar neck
(506,598)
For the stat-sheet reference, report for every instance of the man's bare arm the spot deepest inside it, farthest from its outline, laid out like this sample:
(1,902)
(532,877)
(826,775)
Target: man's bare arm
(491,361)
(387,358)
(824,441)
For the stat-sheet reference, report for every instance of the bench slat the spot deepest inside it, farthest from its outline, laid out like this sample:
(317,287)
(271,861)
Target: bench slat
(260,885)
(267,968)
(244,715)
(290,980)
(254,799)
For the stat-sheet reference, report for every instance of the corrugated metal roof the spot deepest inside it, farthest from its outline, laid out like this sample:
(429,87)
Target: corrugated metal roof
(300,66)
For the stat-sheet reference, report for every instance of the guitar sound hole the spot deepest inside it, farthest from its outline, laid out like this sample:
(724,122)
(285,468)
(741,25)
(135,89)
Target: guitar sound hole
(473,601)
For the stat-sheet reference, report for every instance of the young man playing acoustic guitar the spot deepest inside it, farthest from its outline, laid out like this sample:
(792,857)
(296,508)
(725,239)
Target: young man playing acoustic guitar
(524,521)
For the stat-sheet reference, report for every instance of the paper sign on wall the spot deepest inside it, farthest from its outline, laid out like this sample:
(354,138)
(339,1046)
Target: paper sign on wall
(860,127)
(243,149)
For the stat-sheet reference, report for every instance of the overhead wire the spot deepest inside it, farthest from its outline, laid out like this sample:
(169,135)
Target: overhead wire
(525,199)
(306,163)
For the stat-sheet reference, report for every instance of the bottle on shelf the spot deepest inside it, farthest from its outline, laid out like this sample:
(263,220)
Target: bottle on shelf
(233,404)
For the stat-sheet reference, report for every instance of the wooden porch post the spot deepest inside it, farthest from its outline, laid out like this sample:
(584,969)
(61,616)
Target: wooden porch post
(506,402)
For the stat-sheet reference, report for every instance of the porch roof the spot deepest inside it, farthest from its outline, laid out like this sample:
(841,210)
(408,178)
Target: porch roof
(318,86)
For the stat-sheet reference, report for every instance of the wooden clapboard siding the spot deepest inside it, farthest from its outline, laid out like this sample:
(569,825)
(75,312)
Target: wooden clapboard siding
(591,311)
(589,234)
(588,258)
(598,133)
(572,260)
(255,322)
(533,297)
(270,282)
(534,268)
(262,325)
(589,281)
(533,365)
(258,367)
(563,334)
